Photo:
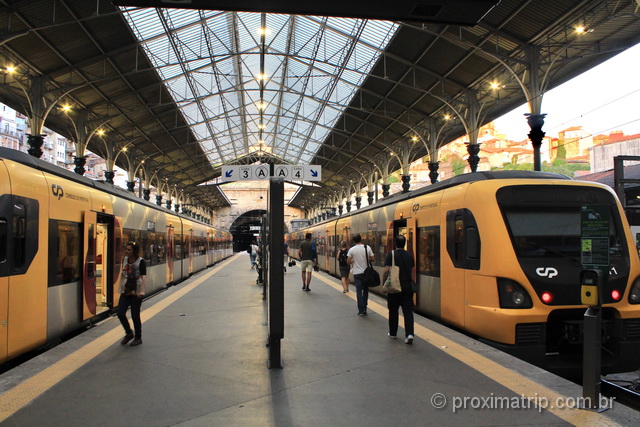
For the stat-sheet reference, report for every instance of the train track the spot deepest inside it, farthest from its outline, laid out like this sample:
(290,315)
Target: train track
(624,391)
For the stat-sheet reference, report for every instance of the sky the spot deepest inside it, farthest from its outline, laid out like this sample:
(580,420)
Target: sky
(601,100)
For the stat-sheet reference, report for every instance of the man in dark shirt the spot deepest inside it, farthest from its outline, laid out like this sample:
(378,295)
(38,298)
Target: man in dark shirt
(308,258)
(404,261)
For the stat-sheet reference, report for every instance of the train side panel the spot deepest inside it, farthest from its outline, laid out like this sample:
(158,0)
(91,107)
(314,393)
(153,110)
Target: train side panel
(27,236)
(5,215)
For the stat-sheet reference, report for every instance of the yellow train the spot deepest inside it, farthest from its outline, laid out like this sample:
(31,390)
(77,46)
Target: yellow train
(61,244)
(498,255)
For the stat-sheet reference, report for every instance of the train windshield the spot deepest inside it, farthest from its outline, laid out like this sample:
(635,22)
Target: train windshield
(553,228)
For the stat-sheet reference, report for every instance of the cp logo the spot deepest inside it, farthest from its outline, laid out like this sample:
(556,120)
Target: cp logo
(547,272)
(57,191)
(415,207)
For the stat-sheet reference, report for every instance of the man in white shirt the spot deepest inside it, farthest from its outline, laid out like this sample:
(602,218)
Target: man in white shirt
(357,259)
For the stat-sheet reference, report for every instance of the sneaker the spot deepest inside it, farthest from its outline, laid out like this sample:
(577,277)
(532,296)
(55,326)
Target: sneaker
(393,337)
(344,292)
(409,340)
(304,288)
(128,337)
(361,313)
(135,342)
(307,289)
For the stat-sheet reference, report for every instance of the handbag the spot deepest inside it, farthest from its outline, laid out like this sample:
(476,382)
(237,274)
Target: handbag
(370,277)
(392,284)
(292,263)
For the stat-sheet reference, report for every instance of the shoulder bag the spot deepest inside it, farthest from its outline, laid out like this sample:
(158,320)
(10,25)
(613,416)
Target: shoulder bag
(392,284)
(370,277)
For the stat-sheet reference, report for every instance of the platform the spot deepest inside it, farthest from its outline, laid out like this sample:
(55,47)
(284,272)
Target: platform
(204,363)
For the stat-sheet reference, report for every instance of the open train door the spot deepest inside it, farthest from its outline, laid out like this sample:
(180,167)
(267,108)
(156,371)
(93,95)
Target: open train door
(89,265)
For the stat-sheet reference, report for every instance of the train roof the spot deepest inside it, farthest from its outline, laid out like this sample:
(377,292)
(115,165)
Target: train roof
(452,182)
(28,160)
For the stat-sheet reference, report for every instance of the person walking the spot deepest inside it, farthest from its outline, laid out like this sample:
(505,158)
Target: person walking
(308,258)
(404,299)
(132,287)
(357,259)
(286,255)
(254,253)
(343,266)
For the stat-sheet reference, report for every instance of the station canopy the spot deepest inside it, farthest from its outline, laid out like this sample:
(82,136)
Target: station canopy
(191,90)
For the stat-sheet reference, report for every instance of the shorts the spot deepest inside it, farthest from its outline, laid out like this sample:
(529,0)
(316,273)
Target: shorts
(307,265)
(344,271)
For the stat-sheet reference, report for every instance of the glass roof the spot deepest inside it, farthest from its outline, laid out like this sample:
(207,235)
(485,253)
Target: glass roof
(245,90)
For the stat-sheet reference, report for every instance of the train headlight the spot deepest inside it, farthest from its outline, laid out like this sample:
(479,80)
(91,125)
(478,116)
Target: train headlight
(512,294)
(634,295)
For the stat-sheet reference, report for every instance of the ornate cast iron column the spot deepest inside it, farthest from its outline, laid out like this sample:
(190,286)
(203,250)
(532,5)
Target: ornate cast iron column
(535,123)
(405,183)
(79,161)
(349,206)
(35,145)
(358,202)
(108,176)
(147,194)
(433,174)
(370,197)
(131,185)
(385,190)
(159,200)
(474,159)
(340,207)
(168,204)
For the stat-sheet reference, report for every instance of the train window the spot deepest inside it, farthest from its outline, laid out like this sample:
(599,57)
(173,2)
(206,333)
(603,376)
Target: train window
(429,251)
(19,229)
(68,256)
(160,248)
(177,243)
(463,239)
(3,240)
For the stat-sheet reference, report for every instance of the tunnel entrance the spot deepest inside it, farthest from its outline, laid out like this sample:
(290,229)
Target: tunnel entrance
(241,229)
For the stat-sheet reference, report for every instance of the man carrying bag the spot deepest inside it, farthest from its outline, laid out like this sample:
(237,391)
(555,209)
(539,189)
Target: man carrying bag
(359,257)
(404,261)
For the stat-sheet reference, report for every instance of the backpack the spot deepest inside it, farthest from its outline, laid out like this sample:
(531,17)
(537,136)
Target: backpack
(342,257)
(249,250)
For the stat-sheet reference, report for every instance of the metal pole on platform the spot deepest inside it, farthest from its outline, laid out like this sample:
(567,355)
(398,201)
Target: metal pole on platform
(275,315)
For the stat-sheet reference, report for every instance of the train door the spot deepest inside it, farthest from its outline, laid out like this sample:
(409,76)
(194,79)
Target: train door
(89,265)
(190,247)
(169,251)
(104,279)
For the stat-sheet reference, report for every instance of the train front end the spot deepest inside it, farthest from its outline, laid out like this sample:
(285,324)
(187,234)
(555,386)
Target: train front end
(540,313)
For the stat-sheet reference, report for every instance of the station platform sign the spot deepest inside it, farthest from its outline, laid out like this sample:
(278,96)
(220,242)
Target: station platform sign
(263,172)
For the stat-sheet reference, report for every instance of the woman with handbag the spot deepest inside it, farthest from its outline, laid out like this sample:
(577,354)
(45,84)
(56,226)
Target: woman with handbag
(404,261)
(344,266)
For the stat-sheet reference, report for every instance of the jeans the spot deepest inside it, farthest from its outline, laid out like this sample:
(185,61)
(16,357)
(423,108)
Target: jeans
(253,257)
(123,305)
(362,292)
(394,302)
